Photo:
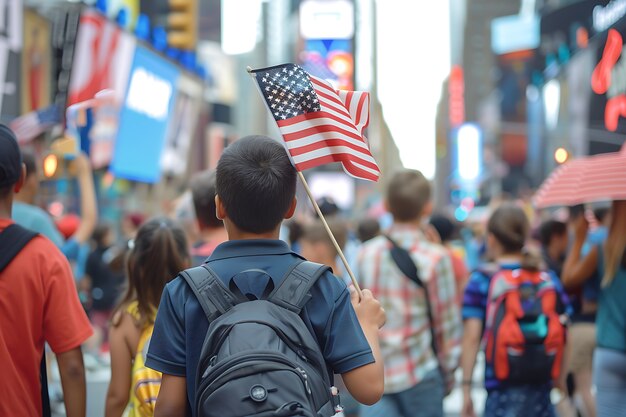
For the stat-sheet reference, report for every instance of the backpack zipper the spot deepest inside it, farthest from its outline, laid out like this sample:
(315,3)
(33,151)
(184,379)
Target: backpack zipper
(242,362)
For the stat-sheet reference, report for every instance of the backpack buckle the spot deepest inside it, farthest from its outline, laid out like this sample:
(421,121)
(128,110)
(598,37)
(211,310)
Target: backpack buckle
(335,400)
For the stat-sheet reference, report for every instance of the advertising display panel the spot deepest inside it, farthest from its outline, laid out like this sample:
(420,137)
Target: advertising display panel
(145,117)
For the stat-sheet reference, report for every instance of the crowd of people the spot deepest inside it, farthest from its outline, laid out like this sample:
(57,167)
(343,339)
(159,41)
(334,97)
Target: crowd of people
(544,303)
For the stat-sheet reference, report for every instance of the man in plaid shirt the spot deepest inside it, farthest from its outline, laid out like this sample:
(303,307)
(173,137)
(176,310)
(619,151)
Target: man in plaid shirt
(416,379)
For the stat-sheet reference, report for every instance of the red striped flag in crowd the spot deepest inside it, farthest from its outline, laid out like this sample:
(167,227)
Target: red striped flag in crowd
(319,124)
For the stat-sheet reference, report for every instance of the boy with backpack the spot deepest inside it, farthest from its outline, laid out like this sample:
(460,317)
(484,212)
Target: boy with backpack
(38,304)
(221,355)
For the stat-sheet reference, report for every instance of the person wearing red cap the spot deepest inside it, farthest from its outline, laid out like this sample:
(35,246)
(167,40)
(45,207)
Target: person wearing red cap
(38,304)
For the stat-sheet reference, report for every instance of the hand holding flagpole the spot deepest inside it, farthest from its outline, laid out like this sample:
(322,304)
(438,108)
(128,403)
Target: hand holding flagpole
(319,125)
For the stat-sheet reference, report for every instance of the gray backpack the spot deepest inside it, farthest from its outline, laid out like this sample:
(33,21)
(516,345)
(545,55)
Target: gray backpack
(258,357)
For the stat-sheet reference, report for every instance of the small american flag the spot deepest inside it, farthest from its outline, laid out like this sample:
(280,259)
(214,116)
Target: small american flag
(32,124)
(319,124)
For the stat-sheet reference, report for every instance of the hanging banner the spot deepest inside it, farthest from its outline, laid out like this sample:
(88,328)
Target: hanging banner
(103,56)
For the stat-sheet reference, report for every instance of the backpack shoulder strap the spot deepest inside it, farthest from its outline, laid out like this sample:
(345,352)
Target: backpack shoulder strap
(502,282)
(405,263)
(294,291)
(12,241)
(214,297)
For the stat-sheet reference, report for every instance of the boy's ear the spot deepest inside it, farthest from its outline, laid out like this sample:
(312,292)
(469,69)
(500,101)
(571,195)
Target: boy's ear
(220,211)
(292,208)
(20,183)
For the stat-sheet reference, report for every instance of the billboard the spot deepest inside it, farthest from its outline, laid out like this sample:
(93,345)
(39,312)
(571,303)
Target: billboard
(145,117)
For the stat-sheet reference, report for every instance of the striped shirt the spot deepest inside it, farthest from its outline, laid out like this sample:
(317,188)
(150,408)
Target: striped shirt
(405,340)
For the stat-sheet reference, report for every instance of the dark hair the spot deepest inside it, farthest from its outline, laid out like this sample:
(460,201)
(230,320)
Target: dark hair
(408,193)
(100,233)
(5,191)
(203,194)
(327,206)
(316,233)
(600,213)
(158,254)
(445,227)
(256,183)
(367,229)
(28,158)
(295,231)
(550,229)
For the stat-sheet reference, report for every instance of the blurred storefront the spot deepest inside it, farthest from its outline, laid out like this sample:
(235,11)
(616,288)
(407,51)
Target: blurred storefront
(151,130)
(579,81)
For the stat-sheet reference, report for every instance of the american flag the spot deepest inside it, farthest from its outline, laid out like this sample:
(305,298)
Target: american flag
(32,124)
(319,124)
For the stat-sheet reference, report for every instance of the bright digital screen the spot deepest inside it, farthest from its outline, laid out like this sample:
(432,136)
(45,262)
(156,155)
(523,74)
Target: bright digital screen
(145,117)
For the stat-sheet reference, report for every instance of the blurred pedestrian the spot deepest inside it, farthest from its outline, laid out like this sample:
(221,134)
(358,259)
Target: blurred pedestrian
(38,304)
(609,259)
(581,276)
(104,284)
(318,247)
(212,231)
(131,222)
(418,368)
(25,212)
(447,232)
(158,253)
(554,242)
(507,232)
(367,229)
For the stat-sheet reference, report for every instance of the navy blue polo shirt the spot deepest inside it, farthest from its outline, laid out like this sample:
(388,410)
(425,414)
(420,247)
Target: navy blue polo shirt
(181,325)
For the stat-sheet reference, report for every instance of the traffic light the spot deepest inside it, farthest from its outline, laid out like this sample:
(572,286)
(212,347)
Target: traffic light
(182,24)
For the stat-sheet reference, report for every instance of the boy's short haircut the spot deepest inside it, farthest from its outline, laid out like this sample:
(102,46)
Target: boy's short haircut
(256,183)
(203,195)
(316,233)
(408,193)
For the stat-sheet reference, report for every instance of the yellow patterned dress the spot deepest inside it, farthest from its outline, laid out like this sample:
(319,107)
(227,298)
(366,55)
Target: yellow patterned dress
(145,382)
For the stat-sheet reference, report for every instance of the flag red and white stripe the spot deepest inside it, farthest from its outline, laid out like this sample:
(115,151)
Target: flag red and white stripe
(319,124)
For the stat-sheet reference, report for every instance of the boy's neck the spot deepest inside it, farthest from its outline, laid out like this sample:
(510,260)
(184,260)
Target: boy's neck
(235,233)
(415,223)
(214,234)
(5,207)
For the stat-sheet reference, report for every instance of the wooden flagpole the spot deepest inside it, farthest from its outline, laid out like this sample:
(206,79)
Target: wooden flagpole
(330,233)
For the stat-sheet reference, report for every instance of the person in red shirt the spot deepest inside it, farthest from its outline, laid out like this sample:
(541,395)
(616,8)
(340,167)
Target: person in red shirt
(38,304)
